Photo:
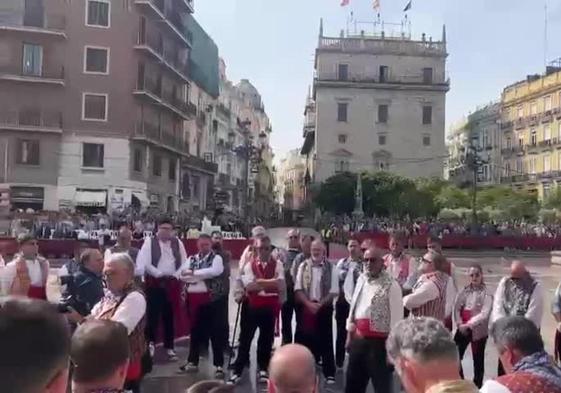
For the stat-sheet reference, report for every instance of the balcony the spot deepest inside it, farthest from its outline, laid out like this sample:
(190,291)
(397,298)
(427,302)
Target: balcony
(155,134)
(31,120)
(170,19)
(519,124)
(547,117)
(197,163)
(154,47)
(201,119)
(546,143)
(533,120)
(221,108)
(50,75)
(153,91)
(50,25)
(507,126)
(189,5)
(331,79)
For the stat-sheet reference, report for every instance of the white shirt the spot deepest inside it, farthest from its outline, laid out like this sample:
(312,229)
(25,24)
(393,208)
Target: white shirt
(429,291)
(130,311)
(196,281)
(349,282)
(315,287)
(362,301)
(247,276)
(535,308)
(491,386)
(166,264)
(35,273)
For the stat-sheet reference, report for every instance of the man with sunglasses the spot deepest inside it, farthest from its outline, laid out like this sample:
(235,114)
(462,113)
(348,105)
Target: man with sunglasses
(287,310)
(347,269)
(263,280)
(432,291)
(27,274)
(376,307)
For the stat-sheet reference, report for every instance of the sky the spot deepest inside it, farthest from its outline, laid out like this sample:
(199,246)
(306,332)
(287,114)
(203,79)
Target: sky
(491,44)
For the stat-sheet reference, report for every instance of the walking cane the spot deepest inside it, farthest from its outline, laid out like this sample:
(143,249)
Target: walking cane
(231,351)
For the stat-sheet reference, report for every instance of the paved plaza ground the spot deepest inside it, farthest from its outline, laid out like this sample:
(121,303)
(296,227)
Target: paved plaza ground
(165,379)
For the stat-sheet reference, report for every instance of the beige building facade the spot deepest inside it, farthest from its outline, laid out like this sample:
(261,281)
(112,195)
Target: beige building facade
(379,105)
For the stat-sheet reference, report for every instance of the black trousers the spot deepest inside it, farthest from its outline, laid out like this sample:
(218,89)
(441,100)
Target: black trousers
(478,352)
(159,306)
(208,325)
(320,342)
(262,318)
(223,320)
(341,313)
(287,311)
(368,363)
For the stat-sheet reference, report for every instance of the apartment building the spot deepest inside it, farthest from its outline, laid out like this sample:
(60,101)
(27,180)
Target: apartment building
(531,127)
(291,185)
(93,96)
(379,105)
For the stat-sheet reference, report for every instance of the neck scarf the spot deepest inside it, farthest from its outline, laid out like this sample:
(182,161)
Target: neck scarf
(542,365)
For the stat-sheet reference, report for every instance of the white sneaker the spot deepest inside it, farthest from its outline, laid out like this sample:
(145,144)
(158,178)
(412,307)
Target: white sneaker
(189,368)
(263,376)
(151,349)
(234,379)
(171,355)
(330,381)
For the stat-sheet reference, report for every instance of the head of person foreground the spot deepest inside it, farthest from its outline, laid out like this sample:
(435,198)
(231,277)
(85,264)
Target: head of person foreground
(293,370)
(426,358)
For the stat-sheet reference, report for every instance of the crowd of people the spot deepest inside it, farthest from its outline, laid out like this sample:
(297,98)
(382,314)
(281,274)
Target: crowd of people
(102,335)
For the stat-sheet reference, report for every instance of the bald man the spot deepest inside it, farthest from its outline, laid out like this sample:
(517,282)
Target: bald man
(293,370)
(518,294)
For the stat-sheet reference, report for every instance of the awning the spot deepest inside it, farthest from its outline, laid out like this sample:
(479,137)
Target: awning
(34,195)
(90,198)
(141,196)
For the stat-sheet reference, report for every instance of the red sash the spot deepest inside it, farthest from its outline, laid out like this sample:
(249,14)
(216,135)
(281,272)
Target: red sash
(134,371)
(465,315)
(37,293)
(266,272)
(364,330)
(194,303)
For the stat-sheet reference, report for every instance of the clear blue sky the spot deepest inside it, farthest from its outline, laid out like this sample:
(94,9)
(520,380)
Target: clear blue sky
(492,43)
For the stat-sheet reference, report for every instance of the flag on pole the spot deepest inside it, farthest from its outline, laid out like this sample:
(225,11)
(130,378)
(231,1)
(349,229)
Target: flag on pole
(408,6)
(376,4)
(345,3)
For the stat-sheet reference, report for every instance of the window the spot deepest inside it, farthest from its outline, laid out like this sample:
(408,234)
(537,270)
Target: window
(534,108)
(384,73)
(532,166)
(94,107)
(547,163)
(547,103)
(96,60)
(533,137)
(342,138)
(507,169)
(519,166)
(138,160)
(383,113)
(485,172)
(157,165)
(34,14)
(341,166)
(427,76)
(98,13)
(28,152)
(171,169)
(426,140)
(547,132)
(32,60)
(520,111)
(342,108)
(382,140)
(427,114)
(92,155)
(508,143)
(343,72)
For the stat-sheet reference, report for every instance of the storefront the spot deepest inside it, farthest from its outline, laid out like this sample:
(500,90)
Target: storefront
(91,201)
(25,198)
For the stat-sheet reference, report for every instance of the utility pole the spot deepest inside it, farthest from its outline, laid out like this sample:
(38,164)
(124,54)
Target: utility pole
(473,162)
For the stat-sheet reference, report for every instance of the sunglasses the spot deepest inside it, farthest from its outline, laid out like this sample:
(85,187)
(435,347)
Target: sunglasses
(372,260)
(293,237)
(363,249)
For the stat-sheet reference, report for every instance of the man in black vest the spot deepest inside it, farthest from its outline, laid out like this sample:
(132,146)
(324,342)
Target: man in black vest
(161,258)
(218,248)
(287,311)
(205,288)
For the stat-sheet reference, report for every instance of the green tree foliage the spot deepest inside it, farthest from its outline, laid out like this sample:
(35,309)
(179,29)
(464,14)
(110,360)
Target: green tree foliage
(553,200)
(452,197)
(336,194)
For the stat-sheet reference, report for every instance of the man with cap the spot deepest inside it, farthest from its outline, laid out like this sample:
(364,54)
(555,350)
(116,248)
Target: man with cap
(28,272)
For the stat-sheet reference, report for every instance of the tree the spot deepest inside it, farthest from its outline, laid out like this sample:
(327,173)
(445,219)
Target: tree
(452,197)
(553,200)
(515,205)
(337,194)
(387,194)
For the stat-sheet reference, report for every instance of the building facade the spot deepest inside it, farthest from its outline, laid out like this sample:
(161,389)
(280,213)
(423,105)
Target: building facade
(531,127)
(379,104)
(94,96)
(291,187)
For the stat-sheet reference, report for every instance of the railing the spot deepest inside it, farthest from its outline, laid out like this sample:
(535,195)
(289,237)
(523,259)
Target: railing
(147,84)
(54,22)
(31,118)
(172,58)
(167,97)
(391,79)
(151,41)
(197,162)
(519,123)
(46,73)
(159,135)
(382,44)
(507,125)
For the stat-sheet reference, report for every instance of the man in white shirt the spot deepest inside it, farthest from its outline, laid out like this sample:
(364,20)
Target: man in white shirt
(263,279)
(345,267)
(316,286)
(27,274)
(202,273)
(518,294)
(161,257)
(376,308)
